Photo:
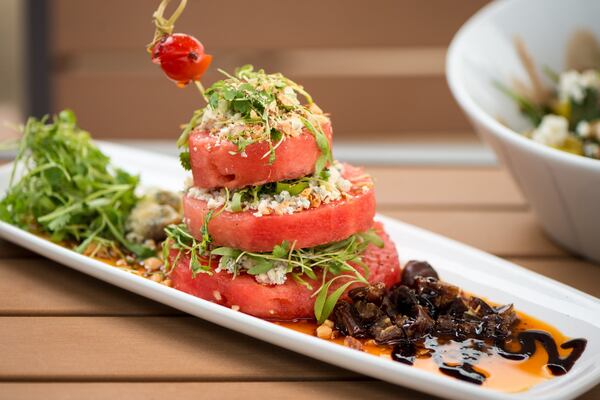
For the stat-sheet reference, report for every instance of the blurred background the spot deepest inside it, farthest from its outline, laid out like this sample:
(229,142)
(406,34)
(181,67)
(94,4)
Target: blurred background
(377,67)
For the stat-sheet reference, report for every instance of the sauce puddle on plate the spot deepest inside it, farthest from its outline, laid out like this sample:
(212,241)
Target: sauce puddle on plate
(515,368)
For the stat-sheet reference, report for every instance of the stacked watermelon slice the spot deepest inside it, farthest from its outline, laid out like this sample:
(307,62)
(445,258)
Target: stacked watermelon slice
(304,210)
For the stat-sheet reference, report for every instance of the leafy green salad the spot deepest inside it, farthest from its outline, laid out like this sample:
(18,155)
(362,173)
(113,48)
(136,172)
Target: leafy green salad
(567,116)
(63,187)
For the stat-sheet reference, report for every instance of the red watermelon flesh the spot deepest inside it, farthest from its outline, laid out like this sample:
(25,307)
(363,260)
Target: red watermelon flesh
(279,302)
(326,223)
(222,166)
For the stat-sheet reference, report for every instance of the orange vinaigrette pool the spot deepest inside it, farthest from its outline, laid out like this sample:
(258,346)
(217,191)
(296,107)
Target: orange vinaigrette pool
(501,374)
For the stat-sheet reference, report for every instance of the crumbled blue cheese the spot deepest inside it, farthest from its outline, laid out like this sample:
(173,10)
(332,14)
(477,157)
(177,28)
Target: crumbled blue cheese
(150,216)
(552,131)
(274,276)
(572,84)
(318,192)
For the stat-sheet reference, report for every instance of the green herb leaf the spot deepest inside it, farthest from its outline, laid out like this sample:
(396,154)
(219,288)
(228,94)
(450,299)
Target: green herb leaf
(184,159)
(293,188)
(261,266)
(327,305)
(236,201)
(226,251)
(282,250)
(322,144)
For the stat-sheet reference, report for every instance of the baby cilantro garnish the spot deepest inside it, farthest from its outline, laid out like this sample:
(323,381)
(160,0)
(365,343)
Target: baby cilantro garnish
(253,106)
(68,190)
(336,261)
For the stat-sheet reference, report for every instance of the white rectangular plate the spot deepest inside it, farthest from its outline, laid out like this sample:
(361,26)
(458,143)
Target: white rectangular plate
(575,313)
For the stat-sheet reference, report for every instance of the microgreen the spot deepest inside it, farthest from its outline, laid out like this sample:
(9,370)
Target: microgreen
(68,189)
(335,261)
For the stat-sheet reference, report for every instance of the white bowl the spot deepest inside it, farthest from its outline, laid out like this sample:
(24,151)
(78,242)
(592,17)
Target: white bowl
(563,189)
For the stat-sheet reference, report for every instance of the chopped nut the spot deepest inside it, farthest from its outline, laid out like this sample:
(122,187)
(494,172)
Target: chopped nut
(217,295)
(328,323)
(168,282)
(353,343)
(153,263)
(121,262)
(235,307)
(324,332)
(156,277)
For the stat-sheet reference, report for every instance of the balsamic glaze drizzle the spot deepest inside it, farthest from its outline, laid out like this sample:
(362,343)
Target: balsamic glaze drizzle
(556,364)
(471,350)
(464,372)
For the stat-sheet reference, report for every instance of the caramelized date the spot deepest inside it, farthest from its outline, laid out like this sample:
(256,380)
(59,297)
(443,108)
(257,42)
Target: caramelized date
(415,268)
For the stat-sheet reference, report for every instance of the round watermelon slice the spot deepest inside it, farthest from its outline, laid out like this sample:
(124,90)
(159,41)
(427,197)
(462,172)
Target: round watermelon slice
(221,165)
(311,227)
(288,301)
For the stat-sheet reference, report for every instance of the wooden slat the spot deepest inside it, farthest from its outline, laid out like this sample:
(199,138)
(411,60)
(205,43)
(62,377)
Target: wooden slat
(578,273)
(445,187)
(10,250)
(149,106)
(504,233)
(154,348)
(264,24)
(373,390)
(300,63)
(42,287)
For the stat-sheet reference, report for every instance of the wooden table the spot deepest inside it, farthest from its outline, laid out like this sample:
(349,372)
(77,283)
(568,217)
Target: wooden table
(66,335)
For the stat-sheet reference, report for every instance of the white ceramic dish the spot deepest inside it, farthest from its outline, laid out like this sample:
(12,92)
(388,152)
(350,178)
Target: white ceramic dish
(563,189)
(575,313)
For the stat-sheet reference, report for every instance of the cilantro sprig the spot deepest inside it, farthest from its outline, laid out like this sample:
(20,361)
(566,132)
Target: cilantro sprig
(257,102)
(68,190)
(335,261)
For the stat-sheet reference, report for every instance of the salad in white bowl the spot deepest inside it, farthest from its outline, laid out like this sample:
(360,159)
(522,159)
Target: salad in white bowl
(554,35)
